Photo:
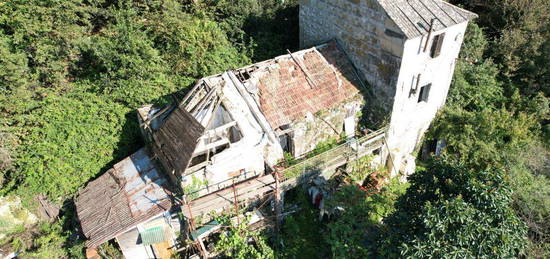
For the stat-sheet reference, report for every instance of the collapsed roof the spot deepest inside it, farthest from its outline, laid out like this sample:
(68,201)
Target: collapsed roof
(240,109)
(274,93)
(176,139)
(290,86)
(414,17)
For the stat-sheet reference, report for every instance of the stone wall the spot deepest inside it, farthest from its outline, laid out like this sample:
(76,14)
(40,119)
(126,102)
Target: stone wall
(315,128)
(390,63)
(370,38)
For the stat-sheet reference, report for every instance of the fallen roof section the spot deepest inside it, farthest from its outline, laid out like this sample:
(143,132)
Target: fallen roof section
(414,17)
(290,86)
(176,140)
(130,193)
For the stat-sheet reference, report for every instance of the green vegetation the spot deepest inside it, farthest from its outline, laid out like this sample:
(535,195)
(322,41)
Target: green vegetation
(237,242)
(75,72)
(348,234)
(301,233)
(72,73)
(261,29)
(451,211)
(359,169)
(491,122)
(353,233)
(519,40)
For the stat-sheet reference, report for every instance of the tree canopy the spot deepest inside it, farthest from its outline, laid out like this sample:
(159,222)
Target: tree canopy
(451,211)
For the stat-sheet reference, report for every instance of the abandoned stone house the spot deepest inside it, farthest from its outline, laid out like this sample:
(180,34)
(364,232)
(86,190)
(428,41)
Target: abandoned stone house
(221,142)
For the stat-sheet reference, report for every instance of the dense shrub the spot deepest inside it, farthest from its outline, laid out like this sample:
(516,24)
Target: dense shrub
(489,123)
(262,29)
(353,233)
(122,62)
(67,140)
(451,211)
(72,73)
(532,203)
(486,138)
(237,241)
(48,33)
(519,40)
(191,45)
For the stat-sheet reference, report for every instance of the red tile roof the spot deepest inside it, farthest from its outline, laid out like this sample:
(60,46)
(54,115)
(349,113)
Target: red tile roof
(285,93)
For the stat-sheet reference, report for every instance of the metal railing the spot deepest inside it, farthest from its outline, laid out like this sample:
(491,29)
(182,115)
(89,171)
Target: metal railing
(349,151)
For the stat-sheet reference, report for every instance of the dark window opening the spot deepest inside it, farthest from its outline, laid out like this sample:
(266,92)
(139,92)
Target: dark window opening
(197,160)
(286,143)
(207,155)
(234,134)
(415,83)
(376,151)
(424,93)
(437,44)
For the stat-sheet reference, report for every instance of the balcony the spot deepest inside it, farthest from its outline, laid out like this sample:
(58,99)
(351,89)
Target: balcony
(326,162)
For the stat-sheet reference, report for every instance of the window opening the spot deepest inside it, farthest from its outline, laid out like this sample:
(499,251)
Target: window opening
(437,44)
(424,93)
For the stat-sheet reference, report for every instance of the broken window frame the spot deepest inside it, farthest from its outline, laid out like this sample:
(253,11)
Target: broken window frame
(437,45)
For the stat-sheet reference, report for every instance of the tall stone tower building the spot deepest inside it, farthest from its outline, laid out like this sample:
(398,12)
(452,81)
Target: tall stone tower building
(404,49)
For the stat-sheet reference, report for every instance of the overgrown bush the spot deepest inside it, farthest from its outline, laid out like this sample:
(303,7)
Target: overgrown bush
(67,140)
(489,123)
(519,40)
(353,233)
(262,29)
(485,138)
(73,72)
(532,203)
(451,211)
(236,241)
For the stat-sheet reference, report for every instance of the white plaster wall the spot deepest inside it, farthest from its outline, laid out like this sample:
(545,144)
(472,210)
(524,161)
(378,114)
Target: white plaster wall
(410,119)
(246,155)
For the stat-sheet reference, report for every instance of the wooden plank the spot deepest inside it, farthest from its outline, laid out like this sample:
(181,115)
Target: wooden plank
(197,108)
(224,203)
(223,198)
(209,146)
(196,167)
(227,194)
(191,92)
(219,130)
(268,179)
(162,250)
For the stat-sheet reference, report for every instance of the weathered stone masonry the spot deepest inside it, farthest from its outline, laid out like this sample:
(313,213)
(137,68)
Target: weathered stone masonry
(370,38)
(399,47)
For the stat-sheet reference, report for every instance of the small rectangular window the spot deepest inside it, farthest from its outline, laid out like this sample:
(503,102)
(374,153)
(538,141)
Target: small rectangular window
(424,93)
(437,44)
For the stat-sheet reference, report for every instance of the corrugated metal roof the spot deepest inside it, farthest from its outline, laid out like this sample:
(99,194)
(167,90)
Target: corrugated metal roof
(414,17)
(152,236)
(131,192)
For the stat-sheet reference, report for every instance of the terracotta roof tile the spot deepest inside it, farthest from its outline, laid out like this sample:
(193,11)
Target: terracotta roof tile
(285,93)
